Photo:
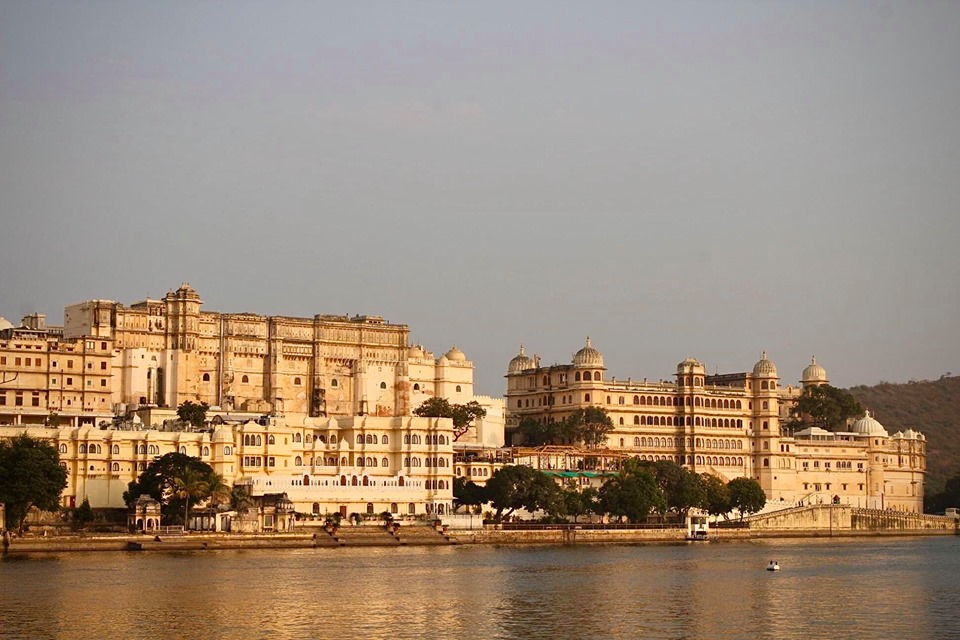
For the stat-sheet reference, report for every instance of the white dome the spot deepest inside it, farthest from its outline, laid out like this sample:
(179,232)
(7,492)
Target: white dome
(588,356)
(5,324)
(867,426)
(814,372)
(688,365)
(764,367)
(455,355)
(520,362)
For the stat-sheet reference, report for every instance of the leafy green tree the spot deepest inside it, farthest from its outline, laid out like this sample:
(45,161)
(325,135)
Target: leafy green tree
(746,495)
(30,476)
(682,488)
(468,492)
(589,426)
(718,496)
(83,514)
(823,406)
(52,420)
(463,415)
(536,433)
(949,497)
(579,503)
(242,502)
(194,413)
(632,495)
(159,481)
(521,487)
(219,491)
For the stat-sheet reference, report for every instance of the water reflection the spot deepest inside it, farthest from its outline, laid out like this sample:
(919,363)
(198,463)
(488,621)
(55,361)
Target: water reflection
(828,588)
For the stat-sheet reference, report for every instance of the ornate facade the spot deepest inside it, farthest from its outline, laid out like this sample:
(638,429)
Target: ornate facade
(728,425)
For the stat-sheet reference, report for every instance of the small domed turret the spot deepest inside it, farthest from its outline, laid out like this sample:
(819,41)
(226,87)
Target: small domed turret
(868,426)
(588,356)
(455,355)
(520,362)
(765,367)
(814,373)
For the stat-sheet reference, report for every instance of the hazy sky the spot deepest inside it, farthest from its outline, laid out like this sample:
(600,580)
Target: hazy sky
(673,179)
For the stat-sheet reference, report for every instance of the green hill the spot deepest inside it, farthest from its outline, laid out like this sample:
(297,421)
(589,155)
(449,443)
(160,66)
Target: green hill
(931,407)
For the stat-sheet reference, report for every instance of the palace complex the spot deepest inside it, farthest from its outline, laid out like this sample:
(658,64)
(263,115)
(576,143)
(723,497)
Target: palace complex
(729,425)
(319,408)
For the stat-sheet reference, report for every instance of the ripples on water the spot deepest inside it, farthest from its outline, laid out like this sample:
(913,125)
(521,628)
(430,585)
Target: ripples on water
(904,588)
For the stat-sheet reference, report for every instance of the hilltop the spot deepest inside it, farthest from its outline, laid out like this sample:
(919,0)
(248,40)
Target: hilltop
(928,406)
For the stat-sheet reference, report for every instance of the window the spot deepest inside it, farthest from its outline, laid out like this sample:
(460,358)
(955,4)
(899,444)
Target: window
(416,386)
(297,382)
(383,385)
(62,448)
(271,440)
(385,439)
(18,399)
(458,389)
(116,449)
(183,450)
(333,383)
(115,467)
(206,377)
(69,381)
(103,365)
(245,379)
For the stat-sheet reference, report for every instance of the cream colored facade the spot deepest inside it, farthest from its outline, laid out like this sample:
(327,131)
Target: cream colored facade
(362,464)
(43,373)
(164,352)
(728,425)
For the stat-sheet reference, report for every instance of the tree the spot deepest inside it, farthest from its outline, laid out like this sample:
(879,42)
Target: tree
(521,487)
(717,495)
(193,412)
(159,481)
(190,484)
(83,514)
(746,495)
(468,492)
(30,476)
(589,426)
(823,406)
(579,503)
(681,487)
(949,497)
(219,491)
(536,433)
(462,415)
(632,495)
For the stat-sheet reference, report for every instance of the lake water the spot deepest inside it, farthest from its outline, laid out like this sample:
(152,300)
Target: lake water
(841,588)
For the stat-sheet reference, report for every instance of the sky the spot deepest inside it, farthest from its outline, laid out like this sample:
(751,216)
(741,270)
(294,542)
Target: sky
(672,179)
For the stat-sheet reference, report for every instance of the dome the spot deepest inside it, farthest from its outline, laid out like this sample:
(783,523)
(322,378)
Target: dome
(814,372)
(520,362)
(689,363)
(416,352)
(867,426)
(5,324)
(764,367)
(588,356)
(455,355)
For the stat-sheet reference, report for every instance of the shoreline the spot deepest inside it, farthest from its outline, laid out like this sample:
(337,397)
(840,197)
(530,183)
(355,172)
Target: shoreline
(133,543)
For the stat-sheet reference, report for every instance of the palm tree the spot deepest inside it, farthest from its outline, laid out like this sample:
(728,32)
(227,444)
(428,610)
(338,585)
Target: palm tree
(189,484)
(218,490)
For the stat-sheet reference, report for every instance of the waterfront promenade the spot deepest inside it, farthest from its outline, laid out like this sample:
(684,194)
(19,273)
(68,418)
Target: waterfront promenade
(796,522)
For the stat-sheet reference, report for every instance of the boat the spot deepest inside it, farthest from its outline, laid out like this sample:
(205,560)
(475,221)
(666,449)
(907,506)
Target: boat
(773,566)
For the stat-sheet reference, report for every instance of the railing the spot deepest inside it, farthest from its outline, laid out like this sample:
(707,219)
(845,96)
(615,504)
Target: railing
(524,526)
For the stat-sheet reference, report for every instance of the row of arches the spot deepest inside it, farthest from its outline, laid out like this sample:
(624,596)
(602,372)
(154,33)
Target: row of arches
(721,461)
(586,376)
(372,438)
(429,439)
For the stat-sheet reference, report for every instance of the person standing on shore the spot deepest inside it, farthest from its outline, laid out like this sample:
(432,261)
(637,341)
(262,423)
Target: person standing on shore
(6,541)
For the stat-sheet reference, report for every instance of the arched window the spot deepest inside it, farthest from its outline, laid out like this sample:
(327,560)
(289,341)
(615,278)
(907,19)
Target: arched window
(353,481)
(366,481)
(766,405)
(359,439)
(383,385)
(620,400)
(636,399)
(333,439)
(296,437)
(400,481)
(458,389)
(411,509)
(298,461)
(406,463)
(369,508)
(227,450)
(62,448)
(271,440)
(206,377)
(359,461)
(764,385)
(205,451)
(586,397)
(636,419)
(406,439)
(576,377)
(183,450)
(245,379)
(371,462)
(621,421)
(384,463)
(334,383)
(82,449)
(385,439)
(608,399)
(297,382)
(416,386)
